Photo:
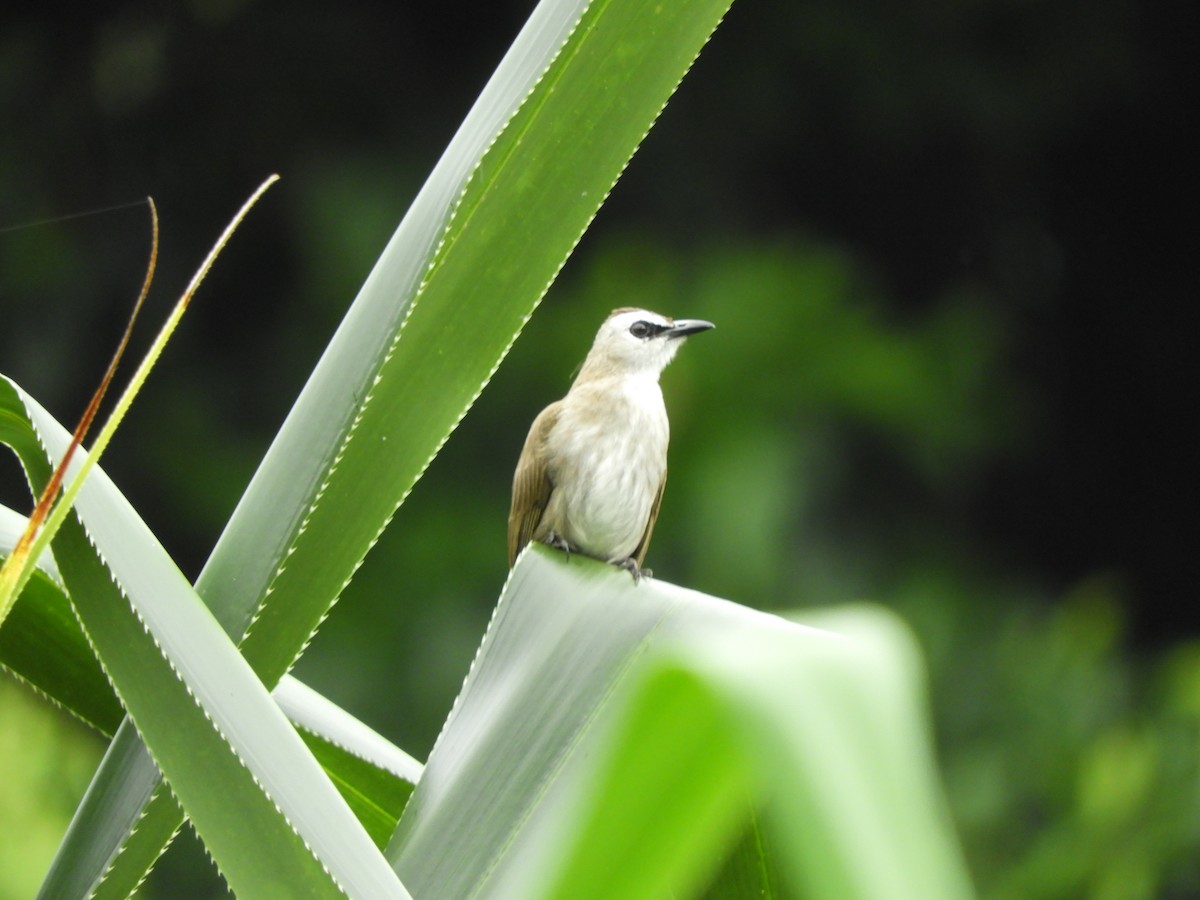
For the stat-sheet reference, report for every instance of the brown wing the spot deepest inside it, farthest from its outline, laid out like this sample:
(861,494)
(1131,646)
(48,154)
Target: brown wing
(531,484)
(640,553)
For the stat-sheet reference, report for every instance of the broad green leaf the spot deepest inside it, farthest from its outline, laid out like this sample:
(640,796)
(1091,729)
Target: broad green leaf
(271,819)
(613,740)
(481,244)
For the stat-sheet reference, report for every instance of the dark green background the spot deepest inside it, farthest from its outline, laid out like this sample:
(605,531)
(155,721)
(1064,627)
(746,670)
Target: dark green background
(948,248)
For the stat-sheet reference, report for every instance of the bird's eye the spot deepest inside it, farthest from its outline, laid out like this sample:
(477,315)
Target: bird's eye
(640,329)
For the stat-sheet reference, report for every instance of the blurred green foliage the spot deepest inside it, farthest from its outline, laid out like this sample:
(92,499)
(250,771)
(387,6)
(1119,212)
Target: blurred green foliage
(48,761)
(932,241)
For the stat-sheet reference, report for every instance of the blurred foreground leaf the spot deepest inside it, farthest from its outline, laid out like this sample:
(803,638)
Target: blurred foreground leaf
(616,740)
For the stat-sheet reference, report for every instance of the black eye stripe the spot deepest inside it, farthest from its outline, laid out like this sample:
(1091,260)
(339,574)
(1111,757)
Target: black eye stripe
(646,330)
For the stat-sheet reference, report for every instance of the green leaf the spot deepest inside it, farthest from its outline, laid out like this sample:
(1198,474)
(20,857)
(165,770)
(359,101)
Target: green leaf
(613,740)
(42,644)
(271,819)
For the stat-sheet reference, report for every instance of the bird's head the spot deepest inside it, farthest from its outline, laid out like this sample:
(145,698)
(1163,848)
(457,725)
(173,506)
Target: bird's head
(639,341)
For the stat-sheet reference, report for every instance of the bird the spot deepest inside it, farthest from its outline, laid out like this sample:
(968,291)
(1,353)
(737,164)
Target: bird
(591,473)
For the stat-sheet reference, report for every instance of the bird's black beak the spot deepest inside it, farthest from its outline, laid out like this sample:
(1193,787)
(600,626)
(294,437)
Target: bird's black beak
(684,327)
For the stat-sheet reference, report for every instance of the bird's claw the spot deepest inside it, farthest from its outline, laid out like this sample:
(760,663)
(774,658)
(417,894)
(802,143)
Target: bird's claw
(553,540)
(631,566)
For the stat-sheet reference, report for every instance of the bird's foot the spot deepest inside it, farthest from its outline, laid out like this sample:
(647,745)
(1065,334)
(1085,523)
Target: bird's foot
(558,543)
(631,566)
